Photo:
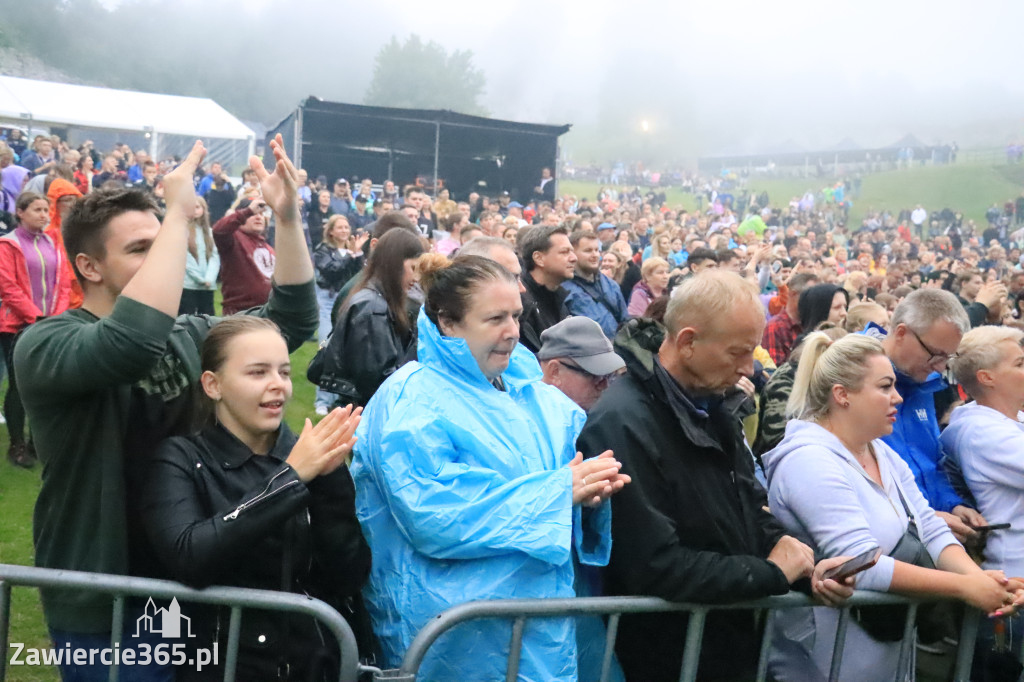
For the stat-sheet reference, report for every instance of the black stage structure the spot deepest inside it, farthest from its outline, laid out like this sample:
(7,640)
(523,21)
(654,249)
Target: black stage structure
(415,146)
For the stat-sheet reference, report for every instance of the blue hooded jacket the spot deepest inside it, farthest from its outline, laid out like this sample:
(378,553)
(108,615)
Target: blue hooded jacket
(463,492)
(600,300)
(915,435)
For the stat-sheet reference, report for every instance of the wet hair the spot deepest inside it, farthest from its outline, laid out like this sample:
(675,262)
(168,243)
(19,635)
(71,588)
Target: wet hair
(824,364)
(386,268)
(85,228)
(26,199)
(214,354)
(579,235)
(537,239)
(390,221)
(215,347)
(700,255)
(450,285)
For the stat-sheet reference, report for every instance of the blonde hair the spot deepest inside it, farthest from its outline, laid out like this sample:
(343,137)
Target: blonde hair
(201,224)
(713,294)
(657,251)
(652,264)
(328,237)
(979,349)
(824,364)
(859,314)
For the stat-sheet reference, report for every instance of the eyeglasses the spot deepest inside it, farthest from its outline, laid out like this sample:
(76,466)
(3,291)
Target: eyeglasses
(598,381)
(935,356)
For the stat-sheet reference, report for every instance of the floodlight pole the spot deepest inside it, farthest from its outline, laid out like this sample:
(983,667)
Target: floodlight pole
(437,151)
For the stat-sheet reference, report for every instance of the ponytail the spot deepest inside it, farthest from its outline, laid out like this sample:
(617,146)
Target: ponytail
(815,346)
(825,363)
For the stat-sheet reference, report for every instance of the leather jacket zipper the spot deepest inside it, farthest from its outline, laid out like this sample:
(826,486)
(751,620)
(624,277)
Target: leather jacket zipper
(267,493)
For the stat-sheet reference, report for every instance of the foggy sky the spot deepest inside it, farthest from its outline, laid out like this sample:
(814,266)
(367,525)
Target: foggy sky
(720,76)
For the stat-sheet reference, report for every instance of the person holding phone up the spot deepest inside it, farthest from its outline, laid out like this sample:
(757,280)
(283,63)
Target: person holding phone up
(838,487)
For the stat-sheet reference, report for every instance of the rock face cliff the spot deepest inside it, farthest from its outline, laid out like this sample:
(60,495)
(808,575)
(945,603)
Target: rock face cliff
(15,63)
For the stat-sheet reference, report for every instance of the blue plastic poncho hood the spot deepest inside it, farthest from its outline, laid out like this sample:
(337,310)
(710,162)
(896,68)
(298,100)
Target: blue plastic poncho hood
(463,493)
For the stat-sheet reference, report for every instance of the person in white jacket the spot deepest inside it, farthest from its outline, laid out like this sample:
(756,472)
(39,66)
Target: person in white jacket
(985,441)
(837,487)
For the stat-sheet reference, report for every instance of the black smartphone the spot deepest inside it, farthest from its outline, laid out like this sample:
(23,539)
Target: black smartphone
(854,566)
(988,529)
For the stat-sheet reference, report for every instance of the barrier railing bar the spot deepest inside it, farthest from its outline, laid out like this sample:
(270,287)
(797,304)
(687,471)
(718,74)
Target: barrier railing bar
(5,622)
(691,651)
(515,650)
(840,644)
(609,646)
(965,649)
(766,641)
(908,637)
(116,630)
(242,597)
(234,634)
(573,606)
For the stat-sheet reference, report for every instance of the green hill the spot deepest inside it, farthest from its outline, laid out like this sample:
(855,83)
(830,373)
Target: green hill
(967,188)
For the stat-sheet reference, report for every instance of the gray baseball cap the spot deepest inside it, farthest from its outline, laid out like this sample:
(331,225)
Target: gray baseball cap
(581,340)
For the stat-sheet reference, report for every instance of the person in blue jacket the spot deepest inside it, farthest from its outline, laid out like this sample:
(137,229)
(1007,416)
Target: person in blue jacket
(925,330)
(469,487)
(592,293)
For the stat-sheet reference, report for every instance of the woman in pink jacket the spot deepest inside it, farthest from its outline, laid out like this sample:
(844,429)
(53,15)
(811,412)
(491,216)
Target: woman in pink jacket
(32,285)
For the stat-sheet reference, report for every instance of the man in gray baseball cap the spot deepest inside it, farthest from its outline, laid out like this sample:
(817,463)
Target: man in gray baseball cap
(578,359)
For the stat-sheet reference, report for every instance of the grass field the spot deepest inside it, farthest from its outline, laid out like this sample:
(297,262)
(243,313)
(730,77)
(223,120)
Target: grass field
(968,188)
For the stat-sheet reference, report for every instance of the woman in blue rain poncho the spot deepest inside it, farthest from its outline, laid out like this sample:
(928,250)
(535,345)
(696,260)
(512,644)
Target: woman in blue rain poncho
(468,487)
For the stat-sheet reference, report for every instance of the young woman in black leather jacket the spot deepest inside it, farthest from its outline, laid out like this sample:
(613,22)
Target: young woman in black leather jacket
(375,333)
(246,503)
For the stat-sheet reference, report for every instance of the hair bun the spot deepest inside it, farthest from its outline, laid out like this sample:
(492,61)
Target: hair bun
(430,265)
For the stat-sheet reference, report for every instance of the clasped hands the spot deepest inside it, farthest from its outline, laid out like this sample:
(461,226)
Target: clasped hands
(596,479)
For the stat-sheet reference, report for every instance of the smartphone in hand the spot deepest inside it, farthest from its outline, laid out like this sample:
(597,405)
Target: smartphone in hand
(861,562)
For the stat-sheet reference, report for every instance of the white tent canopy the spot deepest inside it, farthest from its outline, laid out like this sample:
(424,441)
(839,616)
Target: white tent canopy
(45,103)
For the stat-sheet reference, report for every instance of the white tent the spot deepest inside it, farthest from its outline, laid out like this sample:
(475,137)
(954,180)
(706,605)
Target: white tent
(43,103)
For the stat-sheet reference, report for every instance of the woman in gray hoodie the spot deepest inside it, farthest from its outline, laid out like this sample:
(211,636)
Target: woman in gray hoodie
(837,487)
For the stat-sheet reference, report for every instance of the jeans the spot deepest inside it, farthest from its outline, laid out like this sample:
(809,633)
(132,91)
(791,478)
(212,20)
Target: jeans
(325,298)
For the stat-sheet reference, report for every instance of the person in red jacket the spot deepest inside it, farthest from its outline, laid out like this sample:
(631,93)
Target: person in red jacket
(32,286)
(246,259)
(63,195)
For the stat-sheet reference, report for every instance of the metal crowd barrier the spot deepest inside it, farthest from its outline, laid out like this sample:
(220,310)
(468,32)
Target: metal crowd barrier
(236,598)
(520,610)
(516,610)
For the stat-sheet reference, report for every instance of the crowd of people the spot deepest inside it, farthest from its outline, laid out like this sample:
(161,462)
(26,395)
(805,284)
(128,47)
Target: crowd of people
(551,398)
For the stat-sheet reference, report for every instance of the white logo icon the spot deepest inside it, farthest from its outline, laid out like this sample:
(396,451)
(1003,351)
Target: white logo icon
(165,622)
